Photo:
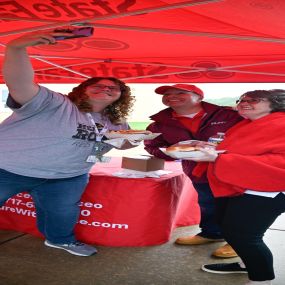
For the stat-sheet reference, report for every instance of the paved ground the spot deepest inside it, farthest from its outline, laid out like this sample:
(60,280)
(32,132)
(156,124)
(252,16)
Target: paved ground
(24,260)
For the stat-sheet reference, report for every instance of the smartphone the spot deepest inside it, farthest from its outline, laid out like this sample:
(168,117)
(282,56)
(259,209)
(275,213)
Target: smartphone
(74,33)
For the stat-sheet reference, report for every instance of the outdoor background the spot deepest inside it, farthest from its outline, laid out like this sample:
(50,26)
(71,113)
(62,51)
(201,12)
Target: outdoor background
(148,102)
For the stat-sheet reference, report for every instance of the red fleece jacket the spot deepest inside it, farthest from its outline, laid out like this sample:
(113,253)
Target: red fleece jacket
(255,158)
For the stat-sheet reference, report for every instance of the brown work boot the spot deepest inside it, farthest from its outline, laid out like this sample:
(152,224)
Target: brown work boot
(195,240)
(226,251)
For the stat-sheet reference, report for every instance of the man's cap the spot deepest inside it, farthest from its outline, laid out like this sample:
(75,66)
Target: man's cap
(184,87)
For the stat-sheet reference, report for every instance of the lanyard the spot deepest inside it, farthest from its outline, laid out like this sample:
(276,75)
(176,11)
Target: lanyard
(99,148)
(99,135)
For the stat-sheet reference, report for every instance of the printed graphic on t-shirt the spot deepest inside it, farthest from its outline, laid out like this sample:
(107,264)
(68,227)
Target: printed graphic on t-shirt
(87,132)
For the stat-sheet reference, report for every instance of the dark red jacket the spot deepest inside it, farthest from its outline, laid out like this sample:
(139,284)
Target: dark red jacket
(216,119)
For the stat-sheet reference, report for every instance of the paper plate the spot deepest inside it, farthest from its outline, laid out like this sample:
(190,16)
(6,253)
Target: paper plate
(186,154)
(132,136)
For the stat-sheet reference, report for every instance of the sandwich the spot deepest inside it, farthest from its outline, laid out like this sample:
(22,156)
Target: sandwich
(182,147)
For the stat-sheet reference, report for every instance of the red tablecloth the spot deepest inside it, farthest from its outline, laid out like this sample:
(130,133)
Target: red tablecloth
(120,211)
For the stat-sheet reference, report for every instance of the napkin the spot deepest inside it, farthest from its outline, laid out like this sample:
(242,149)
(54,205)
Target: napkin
(127,173)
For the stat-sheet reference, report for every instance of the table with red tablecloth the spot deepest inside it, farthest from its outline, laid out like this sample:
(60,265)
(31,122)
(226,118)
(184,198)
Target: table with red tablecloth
(118,211)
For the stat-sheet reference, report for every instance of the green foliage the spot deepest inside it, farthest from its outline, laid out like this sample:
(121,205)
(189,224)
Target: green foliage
(225,101)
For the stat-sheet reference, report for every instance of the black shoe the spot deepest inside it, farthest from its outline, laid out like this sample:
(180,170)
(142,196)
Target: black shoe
(224,268)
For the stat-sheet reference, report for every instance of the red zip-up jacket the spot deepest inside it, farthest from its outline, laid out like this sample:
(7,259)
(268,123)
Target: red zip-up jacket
(216,119)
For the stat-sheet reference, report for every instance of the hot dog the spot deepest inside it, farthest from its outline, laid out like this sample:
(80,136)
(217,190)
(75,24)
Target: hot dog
(129,132)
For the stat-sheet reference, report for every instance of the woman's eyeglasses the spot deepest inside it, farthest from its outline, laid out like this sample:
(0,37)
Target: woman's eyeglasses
(102,86)
(250,101)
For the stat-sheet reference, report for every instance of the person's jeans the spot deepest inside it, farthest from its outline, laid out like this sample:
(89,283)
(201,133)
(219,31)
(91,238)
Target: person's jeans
(206,201)
(244,220)
(56,202)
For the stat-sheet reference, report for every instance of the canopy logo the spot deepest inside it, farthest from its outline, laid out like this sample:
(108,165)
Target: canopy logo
(92,43)
(209,69)
(123,71)
(55,9)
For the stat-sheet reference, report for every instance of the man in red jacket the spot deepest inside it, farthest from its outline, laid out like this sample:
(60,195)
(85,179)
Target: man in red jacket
(189,118)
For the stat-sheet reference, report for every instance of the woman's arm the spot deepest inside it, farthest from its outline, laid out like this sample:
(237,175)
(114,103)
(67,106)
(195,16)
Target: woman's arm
(17,68)
(258,172)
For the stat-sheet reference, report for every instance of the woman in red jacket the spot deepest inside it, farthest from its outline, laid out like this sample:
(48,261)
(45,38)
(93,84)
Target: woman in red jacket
(248,182)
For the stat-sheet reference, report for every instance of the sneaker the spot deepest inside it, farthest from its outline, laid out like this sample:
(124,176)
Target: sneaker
(76,248)
(225,251)
(224,268)
(195,240)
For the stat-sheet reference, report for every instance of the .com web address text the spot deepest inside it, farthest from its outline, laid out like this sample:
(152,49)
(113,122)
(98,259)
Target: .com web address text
(104,225)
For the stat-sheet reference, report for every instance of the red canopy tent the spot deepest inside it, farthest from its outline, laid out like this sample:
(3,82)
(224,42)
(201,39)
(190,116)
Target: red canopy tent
(152,41)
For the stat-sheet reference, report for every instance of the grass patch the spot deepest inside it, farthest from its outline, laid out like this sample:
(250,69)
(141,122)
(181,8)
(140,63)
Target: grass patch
(138,125)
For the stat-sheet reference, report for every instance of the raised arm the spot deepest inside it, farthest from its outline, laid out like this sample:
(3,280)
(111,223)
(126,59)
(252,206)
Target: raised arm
(17,68)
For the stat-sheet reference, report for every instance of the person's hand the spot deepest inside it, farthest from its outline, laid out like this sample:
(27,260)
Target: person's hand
(209,155)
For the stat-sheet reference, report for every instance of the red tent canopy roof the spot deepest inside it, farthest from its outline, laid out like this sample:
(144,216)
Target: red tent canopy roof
(154,41)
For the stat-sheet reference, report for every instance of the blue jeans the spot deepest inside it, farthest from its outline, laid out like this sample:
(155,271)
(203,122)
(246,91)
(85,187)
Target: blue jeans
(56,202)
(208,224)
(244,220)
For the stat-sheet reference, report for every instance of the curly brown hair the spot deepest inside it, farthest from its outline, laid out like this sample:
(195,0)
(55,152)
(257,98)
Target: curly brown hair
(117,112)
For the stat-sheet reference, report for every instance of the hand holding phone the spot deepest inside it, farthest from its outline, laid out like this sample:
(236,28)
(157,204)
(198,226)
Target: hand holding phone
(74,33)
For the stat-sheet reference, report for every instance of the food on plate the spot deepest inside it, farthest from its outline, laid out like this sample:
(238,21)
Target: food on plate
(129,132)
(182,147)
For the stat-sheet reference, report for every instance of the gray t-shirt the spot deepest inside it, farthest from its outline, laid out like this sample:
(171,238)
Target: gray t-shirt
(48,137)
